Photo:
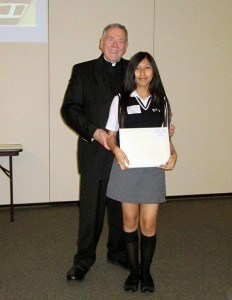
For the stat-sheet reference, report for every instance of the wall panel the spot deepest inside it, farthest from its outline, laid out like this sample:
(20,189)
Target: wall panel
(24,116)
(193,47)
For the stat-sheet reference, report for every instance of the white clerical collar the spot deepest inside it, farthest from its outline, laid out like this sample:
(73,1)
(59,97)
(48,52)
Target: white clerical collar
(113,64)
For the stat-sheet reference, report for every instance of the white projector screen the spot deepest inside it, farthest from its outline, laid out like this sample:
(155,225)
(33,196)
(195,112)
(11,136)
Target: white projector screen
(24,21)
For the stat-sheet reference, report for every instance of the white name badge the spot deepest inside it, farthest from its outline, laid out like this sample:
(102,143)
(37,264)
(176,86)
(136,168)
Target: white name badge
(133,109)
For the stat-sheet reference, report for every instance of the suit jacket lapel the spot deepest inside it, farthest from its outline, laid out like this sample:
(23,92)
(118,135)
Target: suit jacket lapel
(102,81)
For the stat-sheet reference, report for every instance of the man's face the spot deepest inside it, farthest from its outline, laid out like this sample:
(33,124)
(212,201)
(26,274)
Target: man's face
(113,44)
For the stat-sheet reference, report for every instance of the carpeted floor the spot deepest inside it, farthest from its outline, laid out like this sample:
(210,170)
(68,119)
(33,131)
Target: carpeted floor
(193,259)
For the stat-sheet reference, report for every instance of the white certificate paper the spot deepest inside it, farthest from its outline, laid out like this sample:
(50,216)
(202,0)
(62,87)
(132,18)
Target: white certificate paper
(145,147)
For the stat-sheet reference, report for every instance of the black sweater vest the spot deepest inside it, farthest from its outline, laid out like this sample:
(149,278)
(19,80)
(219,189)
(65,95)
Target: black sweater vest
(141,117)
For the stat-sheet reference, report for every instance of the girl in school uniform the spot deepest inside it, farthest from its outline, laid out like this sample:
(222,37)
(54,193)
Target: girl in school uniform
(141,104)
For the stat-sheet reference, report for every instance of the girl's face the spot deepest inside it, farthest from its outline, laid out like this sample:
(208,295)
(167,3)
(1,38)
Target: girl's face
(143,74)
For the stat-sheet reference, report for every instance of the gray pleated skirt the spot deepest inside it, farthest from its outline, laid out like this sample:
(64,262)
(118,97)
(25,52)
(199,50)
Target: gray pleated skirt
(137,185)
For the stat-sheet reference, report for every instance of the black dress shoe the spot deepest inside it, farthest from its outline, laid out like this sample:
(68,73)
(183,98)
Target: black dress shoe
(77,273)
(121,262)
(131,283)
(147,284)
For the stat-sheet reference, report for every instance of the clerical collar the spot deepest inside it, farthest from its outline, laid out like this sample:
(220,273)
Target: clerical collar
(113,64)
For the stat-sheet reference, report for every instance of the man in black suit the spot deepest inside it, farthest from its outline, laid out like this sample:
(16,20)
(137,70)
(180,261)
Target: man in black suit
(85,109)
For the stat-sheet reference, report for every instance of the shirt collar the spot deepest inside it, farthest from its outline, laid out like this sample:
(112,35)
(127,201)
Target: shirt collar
(135,94)
(113,64)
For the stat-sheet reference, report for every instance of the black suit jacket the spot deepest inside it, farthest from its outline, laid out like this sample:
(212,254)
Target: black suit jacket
(85,108)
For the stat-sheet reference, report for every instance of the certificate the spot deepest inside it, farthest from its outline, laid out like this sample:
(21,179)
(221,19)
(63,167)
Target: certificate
(145,147)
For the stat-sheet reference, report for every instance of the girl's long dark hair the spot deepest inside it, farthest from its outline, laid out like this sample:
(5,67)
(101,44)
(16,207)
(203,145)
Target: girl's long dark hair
(156,87)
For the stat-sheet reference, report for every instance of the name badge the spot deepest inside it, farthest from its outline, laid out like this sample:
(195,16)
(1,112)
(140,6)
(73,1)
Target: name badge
(133,109)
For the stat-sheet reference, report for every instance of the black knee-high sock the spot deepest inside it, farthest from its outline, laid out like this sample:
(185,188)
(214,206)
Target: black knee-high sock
(131,242)
(147,249)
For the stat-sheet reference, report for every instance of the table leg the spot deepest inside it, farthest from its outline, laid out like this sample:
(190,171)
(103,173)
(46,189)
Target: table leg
(11,190)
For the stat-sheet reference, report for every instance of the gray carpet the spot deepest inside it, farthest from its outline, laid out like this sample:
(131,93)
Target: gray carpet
(193,259)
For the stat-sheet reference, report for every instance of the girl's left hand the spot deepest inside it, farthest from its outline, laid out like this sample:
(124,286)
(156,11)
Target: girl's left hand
(170,164)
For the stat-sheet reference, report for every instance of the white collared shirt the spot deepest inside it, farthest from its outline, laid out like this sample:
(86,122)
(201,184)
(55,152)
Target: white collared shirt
(112,123)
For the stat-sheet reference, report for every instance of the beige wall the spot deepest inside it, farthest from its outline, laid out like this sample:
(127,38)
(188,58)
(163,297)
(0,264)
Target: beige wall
(193,48)
(191,41)
(24,119)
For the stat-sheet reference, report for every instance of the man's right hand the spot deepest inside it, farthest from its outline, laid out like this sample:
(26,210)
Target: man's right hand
(101,136)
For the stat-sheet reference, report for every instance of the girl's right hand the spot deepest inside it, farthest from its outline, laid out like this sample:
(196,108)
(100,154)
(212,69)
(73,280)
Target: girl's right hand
(121,158)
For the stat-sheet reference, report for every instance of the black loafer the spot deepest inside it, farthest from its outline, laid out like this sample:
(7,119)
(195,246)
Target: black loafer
(77,273)
(147,284)
(121,262)
(132,282)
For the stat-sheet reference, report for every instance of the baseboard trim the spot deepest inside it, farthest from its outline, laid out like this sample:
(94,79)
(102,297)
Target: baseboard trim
(200,196)
(169,198)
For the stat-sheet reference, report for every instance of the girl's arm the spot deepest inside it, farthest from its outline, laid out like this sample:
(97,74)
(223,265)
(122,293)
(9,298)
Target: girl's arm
(119,154)
(170,164)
